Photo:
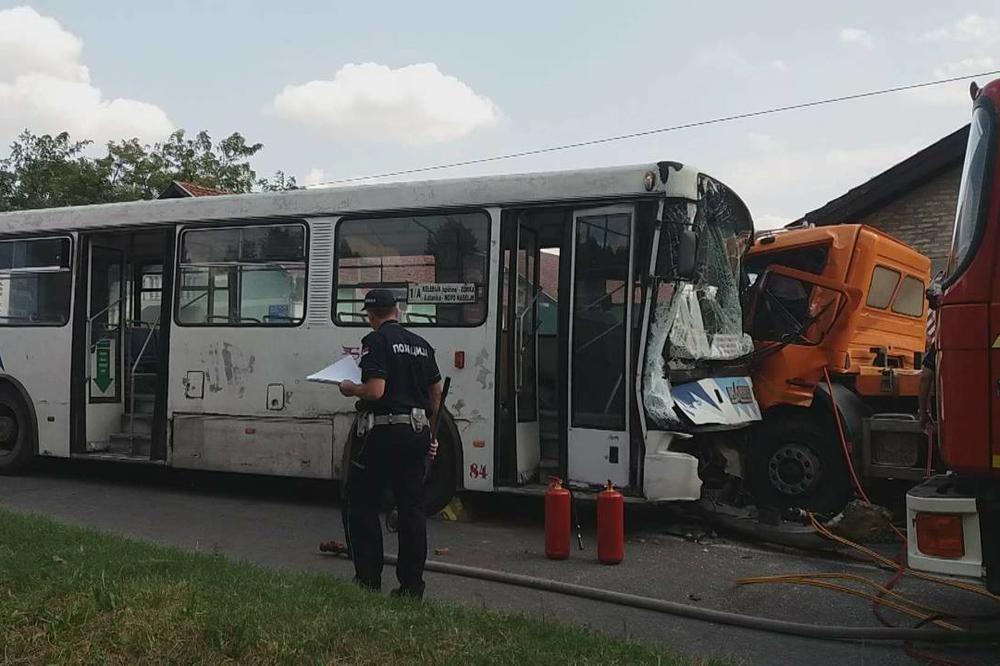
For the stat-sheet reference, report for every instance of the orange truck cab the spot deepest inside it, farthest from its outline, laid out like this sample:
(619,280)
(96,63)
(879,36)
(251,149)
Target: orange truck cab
(838,316)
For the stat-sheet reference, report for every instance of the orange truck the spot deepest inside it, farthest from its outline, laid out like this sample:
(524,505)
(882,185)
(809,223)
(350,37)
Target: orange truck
(838,316)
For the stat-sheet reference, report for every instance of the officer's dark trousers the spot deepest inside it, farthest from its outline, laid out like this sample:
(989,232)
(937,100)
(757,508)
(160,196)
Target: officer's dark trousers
(394,456)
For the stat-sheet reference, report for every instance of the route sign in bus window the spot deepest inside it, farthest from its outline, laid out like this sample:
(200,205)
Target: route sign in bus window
(435,264)
(243,276)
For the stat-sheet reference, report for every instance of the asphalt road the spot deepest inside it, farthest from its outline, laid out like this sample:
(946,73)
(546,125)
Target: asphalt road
(278,523)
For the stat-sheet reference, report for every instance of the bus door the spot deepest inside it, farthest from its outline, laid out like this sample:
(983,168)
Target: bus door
(525,327)
(597,447)
(104,394)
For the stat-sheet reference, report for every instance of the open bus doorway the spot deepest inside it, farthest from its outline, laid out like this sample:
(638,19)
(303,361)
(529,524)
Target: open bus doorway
(120,345)
(563,362)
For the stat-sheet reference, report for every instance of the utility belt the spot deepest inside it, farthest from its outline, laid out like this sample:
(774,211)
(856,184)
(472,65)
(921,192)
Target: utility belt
(416,418)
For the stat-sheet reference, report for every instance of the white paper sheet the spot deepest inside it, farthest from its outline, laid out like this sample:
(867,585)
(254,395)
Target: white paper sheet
(345,368)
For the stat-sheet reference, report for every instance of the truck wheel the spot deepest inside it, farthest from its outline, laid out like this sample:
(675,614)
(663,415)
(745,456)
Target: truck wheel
(439,487)
(17,440)
(797,462)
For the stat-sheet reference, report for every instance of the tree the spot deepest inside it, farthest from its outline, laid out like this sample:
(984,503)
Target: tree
(279,183)
(46,171)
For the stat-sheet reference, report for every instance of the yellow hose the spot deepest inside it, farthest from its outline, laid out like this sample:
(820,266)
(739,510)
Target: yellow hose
(786,578)
(878,557)
(904,608)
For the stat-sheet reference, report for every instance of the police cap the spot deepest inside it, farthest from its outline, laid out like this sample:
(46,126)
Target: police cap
(379,298)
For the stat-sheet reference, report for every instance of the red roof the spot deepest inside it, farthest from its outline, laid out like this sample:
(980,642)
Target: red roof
(178,189)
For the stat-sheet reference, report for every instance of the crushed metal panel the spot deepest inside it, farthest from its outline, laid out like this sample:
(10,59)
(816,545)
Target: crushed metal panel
(277,446)
(718,401)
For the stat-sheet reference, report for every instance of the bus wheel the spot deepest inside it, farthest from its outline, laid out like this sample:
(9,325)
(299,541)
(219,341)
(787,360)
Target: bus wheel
(17,442)
(439,486)
(797,462)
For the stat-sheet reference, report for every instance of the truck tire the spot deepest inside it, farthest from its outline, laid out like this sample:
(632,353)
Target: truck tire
(797,461)
(17,432)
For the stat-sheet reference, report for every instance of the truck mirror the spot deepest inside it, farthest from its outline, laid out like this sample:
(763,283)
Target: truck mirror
(687,254)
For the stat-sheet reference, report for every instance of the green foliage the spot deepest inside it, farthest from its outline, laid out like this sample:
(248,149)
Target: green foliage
(49,171)
(71,596)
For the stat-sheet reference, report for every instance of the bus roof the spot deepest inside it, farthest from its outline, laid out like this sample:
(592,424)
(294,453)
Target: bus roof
(670,179)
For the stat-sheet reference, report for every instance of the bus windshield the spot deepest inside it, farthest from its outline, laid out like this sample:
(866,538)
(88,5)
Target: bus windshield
(701,318)
(972,194)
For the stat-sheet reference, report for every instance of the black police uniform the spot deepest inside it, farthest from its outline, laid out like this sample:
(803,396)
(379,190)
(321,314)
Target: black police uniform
(393,454)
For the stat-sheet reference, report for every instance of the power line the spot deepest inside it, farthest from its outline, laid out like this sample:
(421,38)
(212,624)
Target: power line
(660,130)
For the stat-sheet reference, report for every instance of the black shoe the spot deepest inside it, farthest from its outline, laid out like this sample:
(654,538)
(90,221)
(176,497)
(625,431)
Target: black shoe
(406,593)
(366,585)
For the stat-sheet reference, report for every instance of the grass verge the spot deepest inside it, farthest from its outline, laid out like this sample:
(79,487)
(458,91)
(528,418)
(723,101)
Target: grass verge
(73,596)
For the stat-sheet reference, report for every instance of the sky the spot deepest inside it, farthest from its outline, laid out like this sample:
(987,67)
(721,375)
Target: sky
(342,89)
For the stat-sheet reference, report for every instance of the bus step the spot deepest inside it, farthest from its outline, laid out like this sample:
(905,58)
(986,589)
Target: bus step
(143,424)
(144,403)
(123,444)
(145,382)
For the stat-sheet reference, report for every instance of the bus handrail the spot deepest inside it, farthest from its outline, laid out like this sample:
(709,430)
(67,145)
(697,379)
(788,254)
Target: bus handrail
(108,307)
(131,376)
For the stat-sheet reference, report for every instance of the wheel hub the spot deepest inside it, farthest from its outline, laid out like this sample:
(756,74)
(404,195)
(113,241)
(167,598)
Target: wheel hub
(794,469)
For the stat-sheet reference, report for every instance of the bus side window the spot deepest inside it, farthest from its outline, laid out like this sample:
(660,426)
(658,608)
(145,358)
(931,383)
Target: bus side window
(436,264)
(243,276)
(35,279)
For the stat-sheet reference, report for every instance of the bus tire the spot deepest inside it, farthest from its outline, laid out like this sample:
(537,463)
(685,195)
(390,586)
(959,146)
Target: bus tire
(440,485)
(17,431)
(796,461)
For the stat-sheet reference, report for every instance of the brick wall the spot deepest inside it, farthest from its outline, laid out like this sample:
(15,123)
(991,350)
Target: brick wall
(923,217)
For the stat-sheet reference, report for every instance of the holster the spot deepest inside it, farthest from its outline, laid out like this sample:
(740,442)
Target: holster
(418,419)
(365,422)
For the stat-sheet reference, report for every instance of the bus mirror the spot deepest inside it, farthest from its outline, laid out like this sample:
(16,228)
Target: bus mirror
(687,252)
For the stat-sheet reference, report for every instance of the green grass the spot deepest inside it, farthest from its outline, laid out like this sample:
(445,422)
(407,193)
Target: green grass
(73,596)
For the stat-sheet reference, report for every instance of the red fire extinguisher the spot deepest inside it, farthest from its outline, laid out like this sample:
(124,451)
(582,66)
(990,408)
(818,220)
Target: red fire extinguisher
(610,525)
(557,520)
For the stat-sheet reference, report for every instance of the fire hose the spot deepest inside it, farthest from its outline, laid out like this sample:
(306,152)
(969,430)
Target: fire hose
(824,632)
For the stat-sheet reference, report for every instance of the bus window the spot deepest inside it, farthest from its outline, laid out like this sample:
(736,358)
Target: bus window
(242,276)
(884,281)
(910,299)
(35,280)
(436,265)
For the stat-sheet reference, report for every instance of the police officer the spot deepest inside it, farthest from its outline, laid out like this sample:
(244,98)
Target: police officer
(400,391)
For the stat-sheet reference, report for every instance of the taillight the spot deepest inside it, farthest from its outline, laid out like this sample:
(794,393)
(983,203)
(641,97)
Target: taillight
(940,535)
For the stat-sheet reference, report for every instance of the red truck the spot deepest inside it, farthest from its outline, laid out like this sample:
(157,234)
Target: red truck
(953,520)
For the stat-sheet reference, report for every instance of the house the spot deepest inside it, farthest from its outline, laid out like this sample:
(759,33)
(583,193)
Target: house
(179,189)
(915,200)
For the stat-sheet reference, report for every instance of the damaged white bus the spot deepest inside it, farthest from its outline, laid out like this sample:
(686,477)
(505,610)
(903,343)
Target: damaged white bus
(590,322)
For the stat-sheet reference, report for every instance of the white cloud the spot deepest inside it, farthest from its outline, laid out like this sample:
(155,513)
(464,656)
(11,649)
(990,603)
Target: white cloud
(973,28)
(44,87)
(415,105)
(857,36)
(777,172)
(779,65)
(955,93)
(314,177)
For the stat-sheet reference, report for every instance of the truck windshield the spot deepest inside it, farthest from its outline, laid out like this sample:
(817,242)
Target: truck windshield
(972,195)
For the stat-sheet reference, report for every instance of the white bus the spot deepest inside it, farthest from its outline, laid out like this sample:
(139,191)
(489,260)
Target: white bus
(590,322)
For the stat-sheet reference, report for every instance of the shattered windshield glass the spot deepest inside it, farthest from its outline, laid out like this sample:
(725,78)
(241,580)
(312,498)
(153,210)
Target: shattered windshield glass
(701,318)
